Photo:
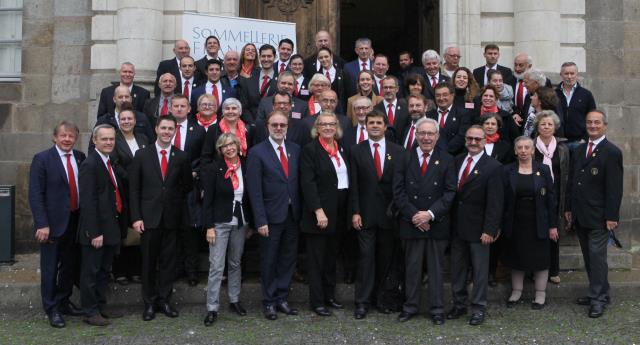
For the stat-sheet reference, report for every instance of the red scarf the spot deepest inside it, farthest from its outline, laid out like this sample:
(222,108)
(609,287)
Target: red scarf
(484,109)
(491,139)
(312,105)
(241,133)
(231,172)
(206,123)
(333,153)
(247,68)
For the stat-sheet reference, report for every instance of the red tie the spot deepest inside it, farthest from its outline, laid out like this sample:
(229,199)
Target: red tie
(263,87)
(434,82)
(364,66)
(165,107)
(283,161)
(177,139)
(590,151)
(410,138)
(390,114)
(376,160)
(465,173)
(295,89)
(186,89)
(163,163)
(380,87)
(423,166)
(214,92)
(361,138)
(73,190)
(443,117)
(520,96)
(281,67)
(328,76)
(113,182)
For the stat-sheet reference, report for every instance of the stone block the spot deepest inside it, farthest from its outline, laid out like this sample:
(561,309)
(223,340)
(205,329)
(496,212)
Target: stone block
(174,5)
(228,7)
(527,20)
(36,32)
(496,6)
(572,7)
(144,53)
(606,90)
(6,116)
(10,92)
(22,146)
(191,5)
(36,88)
(103,27)
(547,53)
(632,35)
(571,258)
(497,29)
(36,60)
(573,30)
(72,8)
(139,23)
(631,65)
(603,62)
(72,31)
(632,92)
(631,10)
(536,6)
(605,35)
(603,10)
(104,56)
(42,118)
(70,60)
(170,28)
(37,9)
(157,5)
(68,87)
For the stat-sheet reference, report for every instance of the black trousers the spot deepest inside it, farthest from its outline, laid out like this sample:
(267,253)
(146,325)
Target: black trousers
(464,253)
(415,251)
(128,262)
(375,260)
(593,243)
(554,258)
(158,248)
(96,265)
(59,266)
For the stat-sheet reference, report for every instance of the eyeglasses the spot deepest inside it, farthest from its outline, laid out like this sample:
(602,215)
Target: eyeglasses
(453,56)
(326,124)
(426,134)
(207,105)
(330,101)
(281,103)
(478,139)
(278,125)
(228,145)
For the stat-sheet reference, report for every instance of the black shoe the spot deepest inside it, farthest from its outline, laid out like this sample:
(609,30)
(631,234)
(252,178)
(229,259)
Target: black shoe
(322,311)
(70,309)
(149,313)
(237,308)
(56,320)
(349,278)
(211,317)
(270,312)
(437,319)
(586,300)
(284,308)
(456,312)
(477,318)
(511,304)
(537,306)
(167,309)
(333,303)
(492,280)
(360,312)
(404,316)
(96,320)
(596,310)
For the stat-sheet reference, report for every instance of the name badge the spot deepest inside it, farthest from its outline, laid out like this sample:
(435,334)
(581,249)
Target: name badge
(304,92)
(469,105)
(296,115)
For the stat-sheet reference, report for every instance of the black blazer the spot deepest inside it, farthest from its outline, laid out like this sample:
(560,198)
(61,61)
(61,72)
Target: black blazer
(478,204)
(340,85)
(594,192)
(139,97)
(151,109)
(369,196)
(455,128)
(250,96)
(434,191)
(158,202)
(209,152)
(218,194)
(121,157)
(299,110)
(545,200)
(195,83)
(166,66)
(304,93)
(503,152)
(427,90)
(400,120)
(98,203)
(319,185)
(142,127)
(573,116)
(311,65)
(507,74)
(194,142)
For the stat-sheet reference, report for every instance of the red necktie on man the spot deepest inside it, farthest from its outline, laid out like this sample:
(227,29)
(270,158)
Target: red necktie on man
(263,87)
(328,75)
(214,92)
(73,189)
(443,117)
(376,160)
(283,161)
(434,81)
(520,95)
(465,173)
(295,88)
(177,140)
(113,181)
(390,114)
(163,163)
(185,92)
(590,151)
(364,66)
(281,67)
(361,137)
(165,107)
(423,166)
(410,138)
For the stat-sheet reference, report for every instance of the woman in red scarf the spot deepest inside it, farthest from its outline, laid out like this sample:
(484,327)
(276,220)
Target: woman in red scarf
(230,122)
(248,60)
(317,85)
(488,104)
(226,214)
(325,184)
(207,108)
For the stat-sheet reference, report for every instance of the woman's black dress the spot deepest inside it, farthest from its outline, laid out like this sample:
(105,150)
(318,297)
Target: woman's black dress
(526,252)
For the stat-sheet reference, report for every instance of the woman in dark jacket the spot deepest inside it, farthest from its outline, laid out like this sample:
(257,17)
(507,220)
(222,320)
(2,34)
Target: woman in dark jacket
(334,74)
(325,185)
(530,221)
(226,213)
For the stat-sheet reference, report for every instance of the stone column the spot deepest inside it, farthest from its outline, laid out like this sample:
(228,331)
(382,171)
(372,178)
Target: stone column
(537,30)
(460,25)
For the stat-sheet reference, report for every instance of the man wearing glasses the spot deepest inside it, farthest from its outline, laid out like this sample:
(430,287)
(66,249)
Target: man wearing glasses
(476,215)
(451,60)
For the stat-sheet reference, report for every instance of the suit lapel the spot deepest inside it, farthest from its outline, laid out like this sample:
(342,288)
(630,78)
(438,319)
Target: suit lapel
(58,163)
(476,171)
(153,155)
(275,159)
(513,176)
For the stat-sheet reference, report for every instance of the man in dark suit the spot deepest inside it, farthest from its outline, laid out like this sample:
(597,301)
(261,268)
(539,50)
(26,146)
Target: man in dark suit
(139,94)
(216,86)
(285,83)
(522,63)
(231,64)
(417,105)
(372,165)
(159,180)
(53,198)
(328,101)
(189,81)
(285,49)
(396,109)
(362,63)
(273,185)
(102,224)
(353,135)
(380,69)
(189,137)
(476,216)
(424,188)
(432,75)
(576,102)
(491,56)
(452,122)
(160,105)
(212,49)
(262,83)
(180,49)
(594,195)
(311,64)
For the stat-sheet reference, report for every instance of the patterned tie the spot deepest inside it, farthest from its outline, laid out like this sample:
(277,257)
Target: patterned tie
(465,173)
(295,89)
(423,166)
(410,138)
(361,137)
(163,163)
(328,75)
(214,92)
(177,139)
(281,67)
(113,182)
(364,66)
(165,107)
(434,82)
(283,161)
(390,114)
(520,97)
(443,117)
(73,189)
(186,90)
(376,160)
(590,151)
(263,87)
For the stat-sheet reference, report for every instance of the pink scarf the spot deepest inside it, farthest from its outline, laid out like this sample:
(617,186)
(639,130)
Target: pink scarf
(231,172)
(547,153)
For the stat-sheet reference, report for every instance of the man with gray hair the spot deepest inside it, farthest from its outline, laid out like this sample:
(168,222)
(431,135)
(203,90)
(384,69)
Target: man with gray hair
(533,80)
(362,63)
(432,76)
(522,99)
(576,102)
(139,94)
(451,60)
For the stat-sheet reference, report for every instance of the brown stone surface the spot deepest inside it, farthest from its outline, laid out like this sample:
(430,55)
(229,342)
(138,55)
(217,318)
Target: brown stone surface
(10,92)
(42,118)
(37,32)
(35,61)
(6,114)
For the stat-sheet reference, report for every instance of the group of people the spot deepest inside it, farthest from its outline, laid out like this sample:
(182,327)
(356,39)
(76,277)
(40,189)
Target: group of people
(391,175)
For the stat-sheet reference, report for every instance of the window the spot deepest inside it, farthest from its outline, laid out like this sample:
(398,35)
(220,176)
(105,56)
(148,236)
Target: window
(10,40)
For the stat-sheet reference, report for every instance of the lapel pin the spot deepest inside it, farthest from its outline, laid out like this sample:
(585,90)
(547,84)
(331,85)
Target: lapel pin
(134,95)
(173,153)
(453,119)
(435,183)
(388,157)
(475,171)
(543,191)
(593,154)
(191,128)
(537,173)
(436,162)
(594,171)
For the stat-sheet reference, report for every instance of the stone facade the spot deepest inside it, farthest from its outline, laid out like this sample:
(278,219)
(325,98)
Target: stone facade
(72,49)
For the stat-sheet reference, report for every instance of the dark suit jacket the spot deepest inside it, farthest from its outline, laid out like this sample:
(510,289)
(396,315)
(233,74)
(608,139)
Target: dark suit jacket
(434,191)
(573,116)
(307,123)
(201,68)
(152,112)
(400,120)
(594,192)
(503,152)
(250,96)
(166,66)
(455,127)
(194,142)
(227,92)
(340,85)
(276,66)
(209,152)
(49,191)
(545,200)
(139,97)
(428,91)
(319,185)
(351,71)
(272,193)
(196,83)
(98,203)
(121,157)
(311,65)
(142,127)
(158,202)
(219,194)
(507,75)
(509,130)
(478,204)
(299,110)
(304,86)
(369,196)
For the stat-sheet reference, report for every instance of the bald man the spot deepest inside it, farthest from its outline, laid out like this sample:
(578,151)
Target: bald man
(180,49)
(323,39)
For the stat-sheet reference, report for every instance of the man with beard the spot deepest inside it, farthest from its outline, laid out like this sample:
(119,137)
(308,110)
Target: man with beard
(417,110)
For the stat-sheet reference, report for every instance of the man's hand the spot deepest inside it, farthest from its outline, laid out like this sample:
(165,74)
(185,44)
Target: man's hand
(569,218)
(211,235)
(138,226)
(356,221)
(486,239)
(421,217)
(42,234)
(553,234)
(424,227)
(97,242)
(612,225)
(323,221)
(517,119)
(264,231)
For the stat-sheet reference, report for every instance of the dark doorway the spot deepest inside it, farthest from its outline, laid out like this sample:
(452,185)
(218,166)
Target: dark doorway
(392,26)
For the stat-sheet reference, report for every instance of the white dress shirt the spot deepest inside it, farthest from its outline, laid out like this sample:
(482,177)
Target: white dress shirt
(341,172)
(105,158)
(275,148)
(382,149)
(474,161)
(158,149)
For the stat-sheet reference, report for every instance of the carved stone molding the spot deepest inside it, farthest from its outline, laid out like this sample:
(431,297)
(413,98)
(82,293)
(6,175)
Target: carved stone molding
(287,7)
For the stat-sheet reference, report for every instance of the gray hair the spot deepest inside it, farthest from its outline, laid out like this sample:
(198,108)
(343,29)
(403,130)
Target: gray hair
(536,75)
(319,78)
(430,54)
(223,139)
(428,120)
(547,114)
(569,64)
(97,128)
(605,117)
(363,41)
(286,73)
(232,101)
(529,58)
(314,130)
(522,138)
(127,63)
(365,99)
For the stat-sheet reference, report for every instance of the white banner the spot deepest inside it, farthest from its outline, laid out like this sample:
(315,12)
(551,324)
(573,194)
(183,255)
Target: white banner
(233,32)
